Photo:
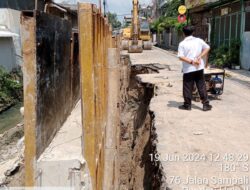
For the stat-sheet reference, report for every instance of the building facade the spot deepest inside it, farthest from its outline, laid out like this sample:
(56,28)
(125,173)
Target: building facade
(221,22)
(158,8)
(161,5)
(146,11)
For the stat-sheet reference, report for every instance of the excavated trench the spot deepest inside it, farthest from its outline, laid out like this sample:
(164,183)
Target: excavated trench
(137,136)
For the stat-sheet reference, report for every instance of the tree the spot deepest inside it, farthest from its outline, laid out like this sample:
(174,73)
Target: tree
(169,19)
(171,8)
(113,20)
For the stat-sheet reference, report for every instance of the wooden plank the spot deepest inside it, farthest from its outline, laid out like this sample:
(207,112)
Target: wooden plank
(98,117)
(28,27)
(86,43)
(113,119)
(214,71)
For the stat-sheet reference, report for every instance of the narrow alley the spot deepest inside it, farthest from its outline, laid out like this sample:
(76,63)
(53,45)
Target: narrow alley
(92,93)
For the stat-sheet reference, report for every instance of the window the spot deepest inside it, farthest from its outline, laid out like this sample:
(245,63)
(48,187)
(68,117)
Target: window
(239,26)
(233,26)
(247,22)
(227,28)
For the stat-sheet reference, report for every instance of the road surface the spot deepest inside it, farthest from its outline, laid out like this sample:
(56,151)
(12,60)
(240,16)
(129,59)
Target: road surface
(199,150)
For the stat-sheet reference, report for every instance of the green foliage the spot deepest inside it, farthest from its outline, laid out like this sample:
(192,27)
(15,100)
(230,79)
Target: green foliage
(163,23)
(226,56)
(112,17)
(10,86)
(171,8)
(169,19)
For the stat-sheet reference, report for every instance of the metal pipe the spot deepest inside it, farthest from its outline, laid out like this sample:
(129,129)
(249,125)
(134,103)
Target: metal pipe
(242,17)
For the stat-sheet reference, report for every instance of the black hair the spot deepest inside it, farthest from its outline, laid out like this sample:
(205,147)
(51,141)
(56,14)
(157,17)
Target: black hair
(188,30)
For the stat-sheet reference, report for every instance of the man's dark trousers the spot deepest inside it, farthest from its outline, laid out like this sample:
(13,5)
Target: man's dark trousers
(189,79)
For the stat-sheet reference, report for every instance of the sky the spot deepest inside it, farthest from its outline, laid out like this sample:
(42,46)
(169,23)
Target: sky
(120,7)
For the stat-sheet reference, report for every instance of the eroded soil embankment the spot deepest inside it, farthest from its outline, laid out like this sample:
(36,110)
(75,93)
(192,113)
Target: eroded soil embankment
(137,139)
(11,157)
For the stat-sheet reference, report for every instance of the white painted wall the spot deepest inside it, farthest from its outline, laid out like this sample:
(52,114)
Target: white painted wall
(7,56)
(11,19)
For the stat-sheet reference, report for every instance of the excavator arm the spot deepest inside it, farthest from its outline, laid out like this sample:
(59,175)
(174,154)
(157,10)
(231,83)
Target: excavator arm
(135,45)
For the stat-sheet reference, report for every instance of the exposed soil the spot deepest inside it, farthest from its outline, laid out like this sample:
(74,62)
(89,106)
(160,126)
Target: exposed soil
(137,139)
(11,157)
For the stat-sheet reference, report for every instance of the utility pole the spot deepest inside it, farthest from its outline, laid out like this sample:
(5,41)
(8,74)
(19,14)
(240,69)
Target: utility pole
(100,6)
(104,6)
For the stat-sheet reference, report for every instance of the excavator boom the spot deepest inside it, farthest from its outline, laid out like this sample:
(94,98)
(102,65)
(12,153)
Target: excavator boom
(135,45)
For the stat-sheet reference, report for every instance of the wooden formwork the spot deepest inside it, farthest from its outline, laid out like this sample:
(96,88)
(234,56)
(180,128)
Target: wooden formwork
(95,40)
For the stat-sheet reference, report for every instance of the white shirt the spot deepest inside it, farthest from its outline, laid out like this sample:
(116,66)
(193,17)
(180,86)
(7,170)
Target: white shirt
(191,48)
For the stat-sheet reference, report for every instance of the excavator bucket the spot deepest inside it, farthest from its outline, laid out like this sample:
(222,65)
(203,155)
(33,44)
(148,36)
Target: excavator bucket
(125,44)
(135,47)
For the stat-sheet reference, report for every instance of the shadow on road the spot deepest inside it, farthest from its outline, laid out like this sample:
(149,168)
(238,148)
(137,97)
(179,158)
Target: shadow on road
(174,104)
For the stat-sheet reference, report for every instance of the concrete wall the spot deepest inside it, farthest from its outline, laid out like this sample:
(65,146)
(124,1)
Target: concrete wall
(245,57)
(51,81)
(169,39)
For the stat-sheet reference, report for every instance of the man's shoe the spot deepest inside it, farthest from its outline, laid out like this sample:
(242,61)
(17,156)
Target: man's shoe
(207,107)
(185,107)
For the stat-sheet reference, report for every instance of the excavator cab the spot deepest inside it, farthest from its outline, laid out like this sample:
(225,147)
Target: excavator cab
(145,34)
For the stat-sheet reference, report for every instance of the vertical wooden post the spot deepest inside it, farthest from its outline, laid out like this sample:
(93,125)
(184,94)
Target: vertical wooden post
(102,98)
(86,43)
(94,39)
(110,36)
(101,63)
(112,120)
(28,27)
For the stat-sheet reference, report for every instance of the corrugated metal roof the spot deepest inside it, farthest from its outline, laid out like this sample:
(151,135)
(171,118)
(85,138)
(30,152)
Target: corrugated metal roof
(5,32)
(21,4)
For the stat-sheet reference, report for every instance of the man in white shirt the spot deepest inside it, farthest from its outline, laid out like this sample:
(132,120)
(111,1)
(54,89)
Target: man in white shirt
(192,52)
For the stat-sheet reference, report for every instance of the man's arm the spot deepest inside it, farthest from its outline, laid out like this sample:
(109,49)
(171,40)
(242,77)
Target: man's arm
(195,62)
(186,60)
(204,53)
(182,57)
(205,49)
(207,59)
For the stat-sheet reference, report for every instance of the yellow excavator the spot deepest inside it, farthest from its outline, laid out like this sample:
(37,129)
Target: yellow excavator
(145,34)
(139,35)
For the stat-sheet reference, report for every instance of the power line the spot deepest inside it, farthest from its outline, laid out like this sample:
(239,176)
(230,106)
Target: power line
(123,15)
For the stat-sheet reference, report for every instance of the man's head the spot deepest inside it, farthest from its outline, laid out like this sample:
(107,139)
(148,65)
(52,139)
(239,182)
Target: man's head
(188,30)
